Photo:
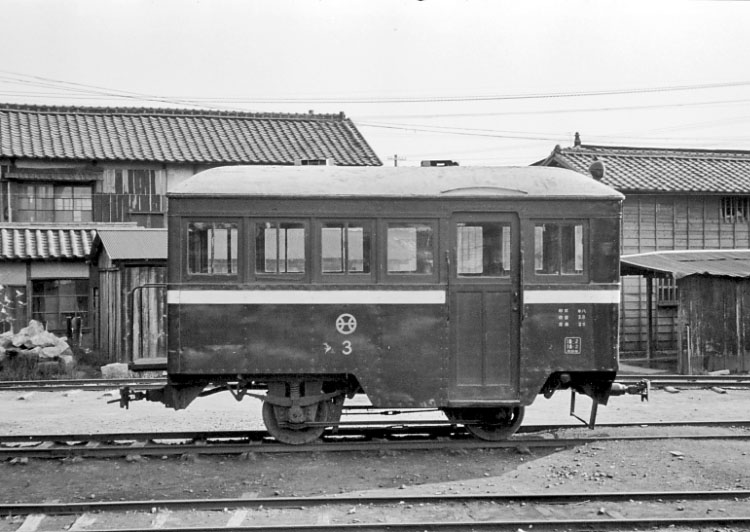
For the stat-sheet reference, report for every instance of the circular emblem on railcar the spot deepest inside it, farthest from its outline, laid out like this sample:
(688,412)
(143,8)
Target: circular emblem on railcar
(346,324)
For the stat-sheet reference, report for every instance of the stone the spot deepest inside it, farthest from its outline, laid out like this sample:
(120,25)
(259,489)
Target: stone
(116,370)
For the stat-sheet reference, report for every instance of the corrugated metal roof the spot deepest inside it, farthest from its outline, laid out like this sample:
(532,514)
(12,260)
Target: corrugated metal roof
(714,262)
(124,244)
(179,136)
(44,243)
(631,169)
(402,181)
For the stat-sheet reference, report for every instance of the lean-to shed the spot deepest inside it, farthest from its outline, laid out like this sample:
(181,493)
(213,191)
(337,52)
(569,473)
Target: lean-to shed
(713,294)
(128,271)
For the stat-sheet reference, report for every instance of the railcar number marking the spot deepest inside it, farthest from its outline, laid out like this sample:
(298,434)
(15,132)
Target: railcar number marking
(346,348)
(346,324)
(572,345)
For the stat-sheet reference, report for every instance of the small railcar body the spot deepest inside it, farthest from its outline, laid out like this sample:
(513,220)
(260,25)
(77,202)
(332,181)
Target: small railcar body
(466,289)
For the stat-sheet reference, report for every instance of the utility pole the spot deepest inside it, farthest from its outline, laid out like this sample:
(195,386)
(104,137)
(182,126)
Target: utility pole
(396,159)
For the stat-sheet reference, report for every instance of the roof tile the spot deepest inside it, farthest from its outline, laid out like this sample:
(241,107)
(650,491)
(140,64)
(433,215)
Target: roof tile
(27,243)
(631,169)
(189,136)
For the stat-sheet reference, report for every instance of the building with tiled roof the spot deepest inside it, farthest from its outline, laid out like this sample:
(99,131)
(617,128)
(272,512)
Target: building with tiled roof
(655,170)
(180,136)
(675,199)
(65,171)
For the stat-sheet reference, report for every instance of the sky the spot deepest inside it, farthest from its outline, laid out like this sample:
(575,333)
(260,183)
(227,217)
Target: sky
(480,82)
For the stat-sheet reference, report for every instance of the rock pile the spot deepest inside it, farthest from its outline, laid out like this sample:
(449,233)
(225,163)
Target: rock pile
(36,344)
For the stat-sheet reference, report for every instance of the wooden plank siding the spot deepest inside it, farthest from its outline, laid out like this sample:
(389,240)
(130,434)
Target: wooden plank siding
(717,310)
(117,325)
(131,195)
(667,222)
(148,327)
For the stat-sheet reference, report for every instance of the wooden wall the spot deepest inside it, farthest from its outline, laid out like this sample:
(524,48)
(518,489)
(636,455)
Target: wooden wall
(667,222)
(714,323)
(123,337)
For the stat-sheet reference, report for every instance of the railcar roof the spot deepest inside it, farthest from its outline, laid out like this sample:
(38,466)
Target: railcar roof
(380,181)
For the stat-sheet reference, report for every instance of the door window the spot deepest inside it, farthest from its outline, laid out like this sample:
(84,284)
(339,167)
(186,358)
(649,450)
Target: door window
(483,249)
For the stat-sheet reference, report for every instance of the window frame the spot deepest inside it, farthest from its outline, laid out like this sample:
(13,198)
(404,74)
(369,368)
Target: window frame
(193,277)
(16,309)
(478,219)
(560,276)
(344,277)
(252,252)
(85,314)
(407,278)
(56,187)
(734,209)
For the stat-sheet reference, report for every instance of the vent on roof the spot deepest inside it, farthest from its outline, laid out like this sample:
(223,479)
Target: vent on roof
(313,162)
(446,162)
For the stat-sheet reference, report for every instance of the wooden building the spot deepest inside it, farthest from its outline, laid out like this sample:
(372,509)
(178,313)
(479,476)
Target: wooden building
(66,172)
(128,271)
(713,318)
(675,199)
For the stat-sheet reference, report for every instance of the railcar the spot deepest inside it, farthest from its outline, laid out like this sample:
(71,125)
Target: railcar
(465,289)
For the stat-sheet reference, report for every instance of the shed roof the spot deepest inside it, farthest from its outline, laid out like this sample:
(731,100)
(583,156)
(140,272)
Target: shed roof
(179,136)
(632,169)
(679,264)
(45,242)
(133,243)
(415,181)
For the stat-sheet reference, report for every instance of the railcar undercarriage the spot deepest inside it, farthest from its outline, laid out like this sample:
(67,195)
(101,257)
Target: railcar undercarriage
(298,409)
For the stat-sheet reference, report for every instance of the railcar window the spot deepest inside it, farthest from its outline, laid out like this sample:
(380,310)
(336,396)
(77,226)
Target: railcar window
(280,247)
(558,249)
(483,249)
(410,248)
(212,248)
(345,248)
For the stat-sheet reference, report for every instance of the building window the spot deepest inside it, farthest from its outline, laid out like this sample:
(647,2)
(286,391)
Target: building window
(667,294)
(345,248)
(60,303)
(280,247)
(13,305)
(735,209)
(558,249)
(483,249)
(52,203)
(212,248)
(410,248)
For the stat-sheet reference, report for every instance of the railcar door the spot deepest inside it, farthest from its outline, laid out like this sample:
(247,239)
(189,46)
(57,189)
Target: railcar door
(484,308)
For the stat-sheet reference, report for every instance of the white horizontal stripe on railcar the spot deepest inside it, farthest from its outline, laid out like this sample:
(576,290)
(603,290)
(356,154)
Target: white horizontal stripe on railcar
(306,297)
(555,297)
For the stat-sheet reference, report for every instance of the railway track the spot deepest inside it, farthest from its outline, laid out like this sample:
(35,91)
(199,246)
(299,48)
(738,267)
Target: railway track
(680,381)
(407,438)
(606,510)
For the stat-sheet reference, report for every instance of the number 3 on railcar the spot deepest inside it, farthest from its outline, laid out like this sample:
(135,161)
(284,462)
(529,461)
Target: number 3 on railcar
(469,290)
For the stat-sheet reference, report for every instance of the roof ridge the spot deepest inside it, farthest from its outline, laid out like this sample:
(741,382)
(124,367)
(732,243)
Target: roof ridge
(651,151)
(164,111)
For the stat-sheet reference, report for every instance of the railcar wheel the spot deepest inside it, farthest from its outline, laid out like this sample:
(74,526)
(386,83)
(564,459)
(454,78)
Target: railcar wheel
(490,424)
(280,426)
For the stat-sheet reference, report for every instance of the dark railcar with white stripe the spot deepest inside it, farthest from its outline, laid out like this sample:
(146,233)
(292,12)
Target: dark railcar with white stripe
(470,290)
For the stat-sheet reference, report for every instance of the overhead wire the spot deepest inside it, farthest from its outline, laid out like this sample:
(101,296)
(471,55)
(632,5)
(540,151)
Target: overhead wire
(27,79)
